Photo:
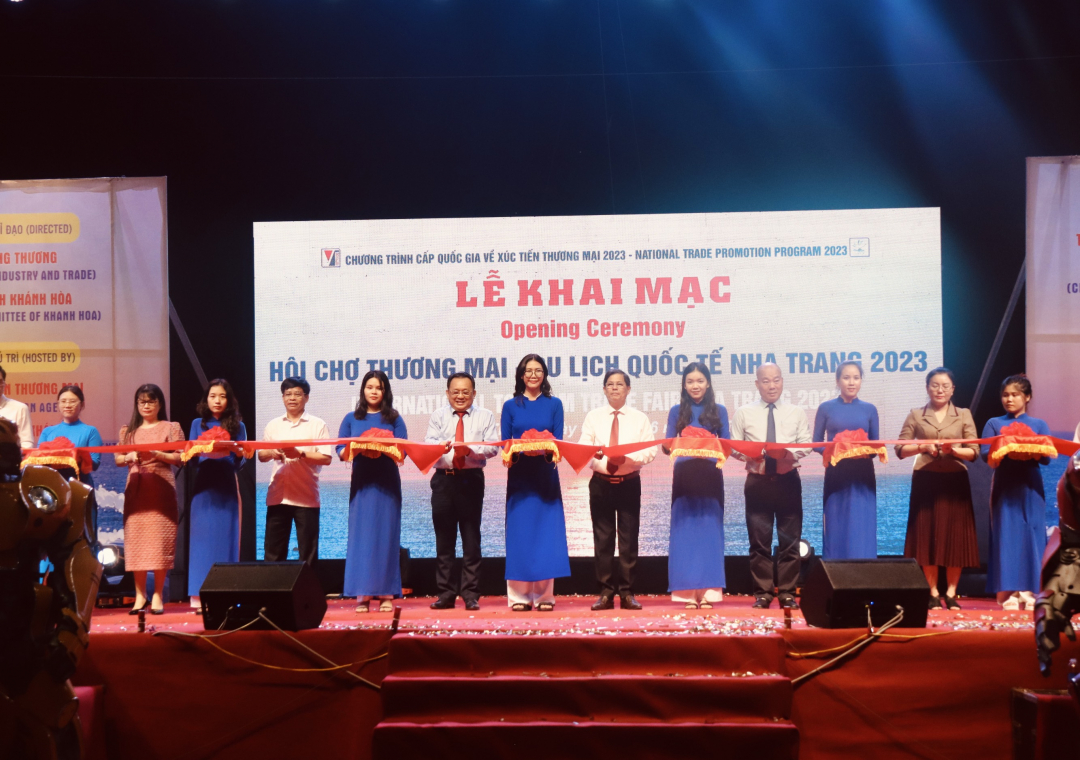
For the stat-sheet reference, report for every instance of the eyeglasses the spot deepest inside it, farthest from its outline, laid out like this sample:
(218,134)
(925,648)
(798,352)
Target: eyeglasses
(461,394)
(615,386)
(146,402)
(533,373)
(945,387)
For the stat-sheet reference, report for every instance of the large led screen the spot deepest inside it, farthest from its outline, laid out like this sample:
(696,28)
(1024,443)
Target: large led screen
(423,298)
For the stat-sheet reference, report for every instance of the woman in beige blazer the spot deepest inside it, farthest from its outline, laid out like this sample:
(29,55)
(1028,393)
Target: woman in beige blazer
(941,519)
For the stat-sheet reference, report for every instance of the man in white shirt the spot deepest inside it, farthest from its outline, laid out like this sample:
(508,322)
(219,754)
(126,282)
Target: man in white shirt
(773,488)
(16,412)
(293,493)
(615,489)
(457,489)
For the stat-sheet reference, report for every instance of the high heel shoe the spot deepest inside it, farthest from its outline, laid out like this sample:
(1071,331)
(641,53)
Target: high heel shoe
(935,602)
(951,603)
(137,610)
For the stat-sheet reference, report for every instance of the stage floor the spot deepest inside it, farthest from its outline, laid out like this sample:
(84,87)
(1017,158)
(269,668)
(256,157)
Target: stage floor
(572,614)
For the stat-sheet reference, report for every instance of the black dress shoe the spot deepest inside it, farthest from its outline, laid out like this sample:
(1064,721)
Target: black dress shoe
(472,605)
(137,610)
(788,603)
(443,604)
(762,602)
(157,612)
(605,602)
(628,602)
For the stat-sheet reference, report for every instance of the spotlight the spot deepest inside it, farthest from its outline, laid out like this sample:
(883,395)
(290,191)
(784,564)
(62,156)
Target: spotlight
(112,557)
(806,551)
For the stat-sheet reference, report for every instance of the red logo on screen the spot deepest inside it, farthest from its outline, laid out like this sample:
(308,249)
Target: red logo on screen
(331,257)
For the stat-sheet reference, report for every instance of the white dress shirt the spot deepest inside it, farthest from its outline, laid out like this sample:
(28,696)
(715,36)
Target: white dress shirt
(479,424)
(751,423)
(634,427)
(19,413)
(296,481)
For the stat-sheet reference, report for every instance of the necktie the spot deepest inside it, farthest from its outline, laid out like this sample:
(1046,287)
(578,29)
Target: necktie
(613,440)
(770,437)
(459,437)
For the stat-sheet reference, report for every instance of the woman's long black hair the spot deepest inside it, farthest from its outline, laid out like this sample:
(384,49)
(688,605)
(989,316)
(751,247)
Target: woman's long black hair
(519,378)
(230,417)
(710,417)
(151,390)
(386,408)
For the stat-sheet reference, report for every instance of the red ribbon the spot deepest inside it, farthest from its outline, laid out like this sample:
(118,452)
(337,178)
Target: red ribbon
(577,455)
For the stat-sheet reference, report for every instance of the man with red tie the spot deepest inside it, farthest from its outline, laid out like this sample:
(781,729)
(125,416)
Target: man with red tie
(615,489)
(457,488)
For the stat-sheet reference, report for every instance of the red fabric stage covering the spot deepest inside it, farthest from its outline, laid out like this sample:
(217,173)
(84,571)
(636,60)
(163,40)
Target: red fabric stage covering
(573,683)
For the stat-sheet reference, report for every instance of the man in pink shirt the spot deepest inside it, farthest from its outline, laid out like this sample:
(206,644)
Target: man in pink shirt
(293,493)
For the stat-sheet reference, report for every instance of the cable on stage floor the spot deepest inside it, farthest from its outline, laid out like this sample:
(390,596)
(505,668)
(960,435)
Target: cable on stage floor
(860,643)
(334,667)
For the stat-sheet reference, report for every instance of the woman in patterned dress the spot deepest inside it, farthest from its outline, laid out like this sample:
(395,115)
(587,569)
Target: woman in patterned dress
(150,512)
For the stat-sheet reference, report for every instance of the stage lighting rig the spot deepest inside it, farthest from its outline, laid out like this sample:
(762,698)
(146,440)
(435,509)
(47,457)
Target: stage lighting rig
(111,557)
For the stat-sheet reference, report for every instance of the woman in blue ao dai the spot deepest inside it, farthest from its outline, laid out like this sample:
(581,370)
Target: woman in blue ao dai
(536,549)
(215,503)
(1017,507)
(372,560)
(696,543)
(850,493)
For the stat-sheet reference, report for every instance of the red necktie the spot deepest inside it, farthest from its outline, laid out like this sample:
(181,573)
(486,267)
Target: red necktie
(459,437)
(613,440)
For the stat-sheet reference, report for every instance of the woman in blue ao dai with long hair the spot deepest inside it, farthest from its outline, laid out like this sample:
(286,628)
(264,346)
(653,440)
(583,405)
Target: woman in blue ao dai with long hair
(215,504)
(850,492)
(696,543)
(536,550)
(372,560)
(1017,506)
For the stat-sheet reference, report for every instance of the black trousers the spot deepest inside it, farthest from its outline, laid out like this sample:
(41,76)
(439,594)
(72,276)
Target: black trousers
(279,522)
(457,501)
(769,499)
(615,509)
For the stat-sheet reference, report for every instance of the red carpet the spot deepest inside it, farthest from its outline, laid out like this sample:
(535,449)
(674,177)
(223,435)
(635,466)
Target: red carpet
(572,683)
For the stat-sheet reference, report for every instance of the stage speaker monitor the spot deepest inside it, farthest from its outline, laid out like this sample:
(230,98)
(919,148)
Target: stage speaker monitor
(837,593)
(234,592)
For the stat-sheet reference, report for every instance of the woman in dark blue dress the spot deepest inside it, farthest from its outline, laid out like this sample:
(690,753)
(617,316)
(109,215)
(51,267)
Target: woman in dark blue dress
(372,560)
(696,544)
(850,494)
(1017,507)
(536,550)
(215,503)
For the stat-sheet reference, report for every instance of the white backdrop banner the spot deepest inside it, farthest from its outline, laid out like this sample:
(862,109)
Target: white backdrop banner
(84,300)
(1053,289)
(421,299)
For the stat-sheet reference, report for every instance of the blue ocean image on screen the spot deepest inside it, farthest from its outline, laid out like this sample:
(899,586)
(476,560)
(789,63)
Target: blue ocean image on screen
(417,533)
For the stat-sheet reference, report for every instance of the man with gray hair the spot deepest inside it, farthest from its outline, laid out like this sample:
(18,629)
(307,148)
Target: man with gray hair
(773,487)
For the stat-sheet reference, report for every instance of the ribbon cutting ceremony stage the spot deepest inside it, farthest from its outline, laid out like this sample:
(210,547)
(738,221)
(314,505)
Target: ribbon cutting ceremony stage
(663,682)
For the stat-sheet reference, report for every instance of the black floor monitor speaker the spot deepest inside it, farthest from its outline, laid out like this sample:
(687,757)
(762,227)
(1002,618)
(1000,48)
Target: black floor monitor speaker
(837,593)
(289,592)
